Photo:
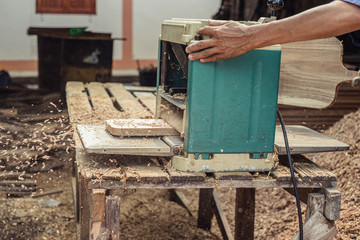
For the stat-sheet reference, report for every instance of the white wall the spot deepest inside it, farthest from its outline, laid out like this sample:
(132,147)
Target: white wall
(16,16)
(149,14)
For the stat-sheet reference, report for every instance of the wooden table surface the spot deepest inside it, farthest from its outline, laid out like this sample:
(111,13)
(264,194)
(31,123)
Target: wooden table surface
(97,102)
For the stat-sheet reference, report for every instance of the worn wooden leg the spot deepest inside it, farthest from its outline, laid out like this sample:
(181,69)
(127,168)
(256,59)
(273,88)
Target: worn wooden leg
(177,195)
(244,213)
(97,213)
(315,203)
(220,217)
(84,212)
(112,216)
(332,203)
(205,211)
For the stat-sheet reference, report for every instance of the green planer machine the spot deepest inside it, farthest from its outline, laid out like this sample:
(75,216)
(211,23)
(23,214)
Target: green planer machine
(225,110)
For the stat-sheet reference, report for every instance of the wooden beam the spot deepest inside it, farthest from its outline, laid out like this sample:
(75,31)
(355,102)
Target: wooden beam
(112,216)
(177,195)
(315,203)
(332,203)
(97,213)
(205,211)
(244,213)
(317,228)
(84,216)
(303,192)
(220,217)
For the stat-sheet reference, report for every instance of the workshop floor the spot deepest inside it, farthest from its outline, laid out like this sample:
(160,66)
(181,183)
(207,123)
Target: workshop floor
(146,214)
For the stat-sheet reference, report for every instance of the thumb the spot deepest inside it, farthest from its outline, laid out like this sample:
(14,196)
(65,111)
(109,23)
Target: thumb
(216,22)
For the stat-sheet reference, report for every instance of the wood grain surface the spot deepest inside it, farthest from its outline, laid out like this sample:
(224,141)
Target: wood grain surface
(311,72)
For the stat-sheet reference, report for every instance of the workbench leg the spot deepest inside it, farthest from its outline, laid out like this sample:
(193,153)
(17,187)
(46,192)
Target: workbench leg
(244,213)
(97,215)
(315,203)
(112,216)
(84,212)
(205,211)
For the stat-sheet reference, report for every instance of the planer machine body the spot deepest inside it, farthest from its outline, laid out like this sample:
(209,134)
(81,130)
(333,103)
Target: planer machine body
(225,111)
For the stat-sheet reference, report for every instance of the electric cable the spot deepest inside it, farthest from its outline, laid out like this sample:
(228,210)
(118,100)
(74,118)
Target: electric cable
(301,230)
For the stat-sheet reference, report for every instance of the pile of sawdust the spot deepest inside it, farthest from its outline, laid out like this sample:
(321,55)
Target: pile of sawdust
(276,216)
(346,166)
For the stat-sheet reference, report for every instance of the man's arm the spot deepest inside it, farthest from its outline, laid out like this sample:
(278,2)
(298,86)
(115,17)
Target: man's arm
(231,39)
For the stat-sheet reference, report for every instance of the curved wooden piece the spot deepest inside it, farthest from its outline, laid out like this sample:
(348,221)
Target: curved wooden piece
(311,72)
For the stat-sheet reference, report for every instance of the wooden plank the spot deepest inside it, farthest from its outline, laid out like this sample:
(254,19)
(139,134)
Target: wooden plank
(10,189)
(148,99)
(313,172)
(26,183)
(205,211)
(305,140)
(317,228)
(139,127)
(244,213)
(97,213)
(97,140)
(10,112)
(172,115)
(233,176)
(307,170)
(281,173)
(127,101)
(97,208)
(177,176)
(310,72)
(135,168)
(14,176)
(84,209)
(315,203)
(220,217)
(77,101)
(140,88)
(332,204)
(119,170)
(112,216)
(100,99)
(148,173)
(47,193)
(110,182)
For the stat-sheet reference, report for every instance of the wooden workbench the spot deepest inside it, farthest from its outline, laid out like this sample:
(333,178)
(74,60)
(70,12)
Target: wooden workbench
(97,174)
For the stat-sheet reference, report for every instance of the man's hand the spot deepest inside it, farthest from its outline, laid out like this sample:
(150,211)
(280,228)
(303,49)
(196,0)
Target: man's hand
(229,39)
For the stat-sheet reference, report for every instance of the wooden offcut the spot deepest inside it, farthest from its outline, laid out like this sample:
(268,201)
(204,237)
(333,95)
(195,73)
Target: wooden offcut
(311,72)
(317,228)
(139,127)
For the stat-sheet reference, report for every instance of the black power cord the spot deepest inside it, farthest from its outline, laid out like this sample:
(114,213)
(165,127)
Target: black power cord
(301,231)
